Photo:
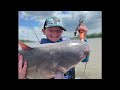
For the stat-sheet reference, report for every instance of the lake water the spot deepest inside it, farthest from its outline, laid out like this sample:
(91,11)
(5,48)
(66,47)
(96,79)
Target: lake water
(94,65)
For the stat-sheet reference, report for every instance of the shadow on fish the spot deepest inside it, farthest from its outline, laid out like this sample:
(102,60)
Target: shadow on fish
(48,59)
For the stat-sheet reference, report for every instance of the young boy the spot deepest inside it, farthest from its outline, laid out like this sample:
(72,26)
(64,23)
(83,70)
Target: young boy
(53,29)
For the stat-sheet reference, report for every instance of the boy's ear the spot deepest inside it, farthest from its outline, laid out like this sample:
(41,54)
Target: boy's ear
(43,30)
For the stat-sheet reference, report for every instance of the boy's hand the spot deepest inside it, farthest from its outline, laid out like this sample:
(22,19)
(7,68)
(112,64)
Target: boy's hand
(21,70)
(83,28)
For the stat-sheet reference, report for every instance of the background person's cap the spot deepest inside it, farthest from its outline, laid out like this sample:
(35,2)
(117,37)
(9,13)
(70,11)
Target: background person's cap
(53,21)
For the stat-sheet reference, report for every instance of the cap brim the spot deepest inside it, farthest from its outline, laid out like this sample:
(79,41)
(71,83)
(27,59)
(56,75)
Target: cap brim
(63,28)
(58,26)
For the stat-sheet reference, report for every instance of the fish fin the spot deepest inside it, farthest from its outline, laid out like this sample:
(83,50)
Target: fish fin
(24,46)
(62,69)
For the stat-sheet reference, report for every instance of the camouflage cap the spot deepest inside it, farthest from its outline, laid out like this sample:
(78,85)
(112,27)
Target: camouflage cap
(53,21)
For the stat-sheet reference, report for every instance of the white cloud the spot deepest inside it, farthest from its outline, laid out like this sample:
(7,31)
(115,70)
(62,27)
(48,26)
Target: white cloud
(92,19)
(27,33)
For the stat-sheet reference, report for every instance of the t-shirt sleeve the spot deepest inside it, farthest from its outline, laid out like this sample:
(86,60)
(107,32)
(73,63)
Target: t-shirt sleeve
(43,40)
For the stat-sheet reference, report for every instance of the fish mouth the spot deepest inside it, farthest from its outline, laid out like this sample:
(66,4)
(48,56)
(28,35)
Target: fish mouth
(86,53)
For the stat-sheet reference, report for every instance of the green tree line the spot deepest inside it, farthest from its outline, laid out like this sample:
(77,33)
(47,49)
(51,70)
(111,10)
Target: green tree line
(94,35)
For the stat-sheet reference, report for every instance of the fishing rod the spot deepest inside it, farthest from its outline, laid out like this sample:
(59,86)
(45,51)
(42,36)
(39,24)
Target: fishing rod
(35,35)
(85,67)
(80,21)
(81,34)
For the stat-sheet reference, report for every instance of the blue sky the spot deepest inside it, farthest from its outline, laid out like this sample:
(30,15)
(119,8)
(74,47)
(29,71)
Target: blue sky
(28,23)
(34,20)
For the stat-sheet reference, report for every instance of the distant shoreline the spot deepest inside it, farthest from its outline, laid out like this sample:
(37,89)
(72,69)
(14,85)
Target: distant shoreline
(27,41)
(94,35)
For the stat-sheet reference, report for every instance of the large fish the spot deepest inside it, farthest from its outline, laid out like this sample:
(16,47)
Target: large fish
(48,59)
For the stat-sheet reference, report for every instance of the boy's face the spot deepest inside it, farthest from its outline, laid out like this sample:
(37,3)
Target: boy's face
(53,33)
